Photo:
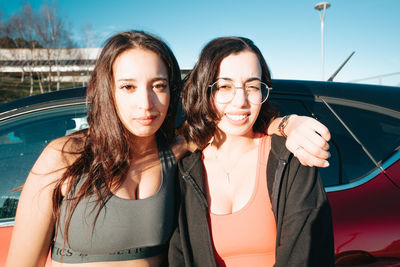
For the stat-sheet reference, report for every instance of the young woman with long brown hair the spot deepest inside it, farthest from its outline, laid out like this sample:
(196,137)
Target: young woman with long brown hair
(106,195)
(84,187)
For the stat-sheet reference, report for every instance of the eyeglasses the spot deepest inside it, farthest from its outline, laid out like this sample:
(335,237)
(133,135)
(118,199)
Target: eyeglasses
(223,91)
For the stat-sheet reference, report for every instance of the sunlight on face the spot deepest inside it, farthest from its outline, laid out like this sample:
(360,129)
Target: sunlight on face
(239,115)
(141,91)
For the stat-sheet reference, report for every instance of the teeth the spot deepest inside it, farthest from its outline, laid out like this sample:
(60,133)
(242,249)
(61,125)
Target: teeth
(236,117)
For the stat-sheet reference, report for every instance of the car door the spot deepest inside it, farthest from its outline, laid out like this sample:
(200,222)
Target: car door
(22,138)
(360,181)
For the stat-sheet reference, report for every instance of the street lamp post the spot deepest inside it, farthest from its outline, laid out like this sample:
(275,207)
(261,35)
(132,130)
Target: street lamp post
(322,6)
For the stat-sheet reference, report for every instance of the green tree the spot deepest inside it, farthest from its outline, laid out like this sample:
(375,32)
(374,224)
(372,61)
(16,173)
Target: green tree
(7,42)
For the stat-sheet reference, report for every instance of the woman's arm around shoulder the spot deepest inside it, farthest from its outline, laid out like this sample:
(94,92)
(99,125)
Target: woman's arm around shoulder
(34,221)
(180,147)
(307,138)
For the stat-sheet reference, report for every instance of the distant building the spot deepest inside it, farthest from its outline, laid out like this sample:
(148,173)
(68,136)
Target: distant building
(65,64)
(69,64)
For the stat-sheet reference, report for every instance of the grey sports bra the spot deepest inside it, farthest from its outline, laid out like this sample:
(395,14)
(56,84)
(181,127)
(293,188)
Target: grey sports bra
(125,229)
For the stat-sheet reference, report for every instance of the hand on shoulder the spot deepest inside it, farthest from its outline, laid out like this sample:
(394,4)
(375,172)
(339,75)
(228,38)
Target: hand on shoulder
(180,147)
(308,139)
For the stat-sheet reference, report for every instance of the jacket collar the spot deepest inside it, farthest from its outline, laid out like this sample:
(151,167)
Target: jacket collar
(191,167)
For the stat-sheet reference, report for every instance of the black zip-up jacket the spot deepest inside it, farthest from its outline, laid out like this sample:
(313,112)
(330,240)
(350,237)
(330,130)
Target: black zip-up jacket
(299,202)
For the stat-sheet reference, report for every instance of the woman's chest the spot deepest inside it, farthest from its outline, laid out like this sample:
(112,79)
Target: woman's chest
(230,192)
(140,184)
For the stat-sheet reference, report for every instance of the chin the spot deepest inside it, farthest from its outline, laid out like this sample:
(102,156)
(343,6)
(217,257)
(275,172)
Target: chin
(242,133)
(244,130)
(142,133)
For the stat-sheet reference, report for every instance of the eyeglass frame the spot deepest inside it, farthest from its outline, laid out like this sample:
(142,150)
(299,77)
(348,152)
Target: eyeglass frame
(243,88)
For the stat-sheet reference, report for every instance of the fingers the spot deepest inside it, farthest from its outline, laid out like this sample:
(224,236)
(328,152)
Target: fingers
(321,129)
(308,159)
(307,125)
(309,147)
(315,147)
(308,140)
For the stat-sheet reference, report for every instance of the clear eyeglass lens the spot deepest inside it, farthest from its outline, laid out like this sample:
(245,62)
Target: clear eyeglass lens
(224,91)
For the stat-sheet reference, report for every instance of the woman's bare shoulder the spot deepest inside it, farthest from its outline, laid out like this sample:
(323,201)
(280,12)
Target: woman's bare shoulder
(58,155)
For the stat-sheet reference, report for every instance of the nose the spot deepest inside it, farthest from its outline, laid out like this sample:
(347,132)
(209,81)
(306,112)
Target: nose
(144,98)
(240,97)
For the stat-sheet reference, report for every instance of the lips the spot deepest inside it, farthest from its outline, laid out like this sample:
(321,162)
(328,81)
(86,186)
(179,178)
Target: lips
(146,120)
(237,118)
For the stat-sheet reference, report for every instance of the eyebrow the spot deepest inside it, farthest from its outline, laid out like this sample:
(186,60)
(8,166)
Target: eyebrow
(246,81)
(134,80)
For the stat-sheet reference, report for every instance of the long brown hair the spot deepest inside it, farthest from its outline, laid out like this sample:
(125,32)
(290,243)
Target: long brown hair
(201,115)
(104,155)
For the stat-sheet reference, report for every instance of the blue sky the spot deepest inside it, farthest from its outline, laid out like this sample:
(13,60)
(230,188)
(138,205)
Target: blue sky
(287,32)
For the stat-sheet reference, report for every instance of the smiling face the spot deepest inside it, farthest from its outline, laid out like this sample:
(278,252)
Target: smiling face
(239,115)
(141,91)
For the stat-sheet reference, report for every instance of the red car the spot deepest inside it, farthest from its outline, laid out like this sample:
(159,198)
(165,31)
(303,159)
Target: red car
(363,180)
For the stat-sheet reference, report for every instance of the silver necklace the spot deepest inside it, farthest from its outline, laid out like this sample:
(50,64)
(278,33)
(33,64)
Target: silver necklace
(227,173)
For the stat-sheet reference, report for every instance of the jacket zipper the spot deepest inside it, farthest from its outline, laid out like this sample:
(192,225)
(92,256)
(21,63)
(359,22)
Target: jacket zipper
(199,194)
(276,187)
(195,187)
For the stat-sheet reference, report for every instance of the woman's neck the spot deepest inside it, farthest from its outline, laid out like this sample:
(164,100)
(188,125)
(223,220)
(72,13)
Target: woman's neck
(233,145)
(142,146)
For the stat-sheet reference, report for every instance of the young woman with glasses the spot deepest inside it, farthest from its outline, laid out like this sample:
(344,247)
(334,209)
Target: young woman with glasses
(245,200)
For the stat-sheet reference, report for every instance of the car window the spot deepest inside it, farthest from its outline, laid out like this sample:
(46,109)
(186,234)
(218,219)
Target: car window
(348,161)
(376,128)
(22,138)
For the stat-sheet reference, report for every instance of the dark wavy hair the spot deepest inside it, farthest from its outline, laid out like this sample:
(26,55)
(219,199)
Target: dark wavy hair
(201,114)
(104,151)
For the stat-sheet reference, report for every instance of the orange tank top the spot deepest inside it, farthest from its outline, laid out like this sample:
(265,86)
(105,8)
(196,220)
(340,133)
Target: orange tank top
(247,237)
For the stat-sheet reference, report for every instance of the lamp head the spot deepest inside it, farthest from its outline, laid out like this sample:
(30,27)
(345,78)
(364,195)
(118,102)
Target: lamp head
(322,5)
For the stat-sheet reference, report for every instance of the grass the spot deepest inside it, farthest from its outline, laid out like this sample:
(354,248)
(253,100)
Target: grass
(11,88)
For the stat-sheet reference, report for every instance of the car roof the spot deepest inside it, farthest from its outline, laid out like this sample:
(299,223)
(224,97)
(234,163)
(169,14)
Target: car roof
(379,95)
(65,95)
